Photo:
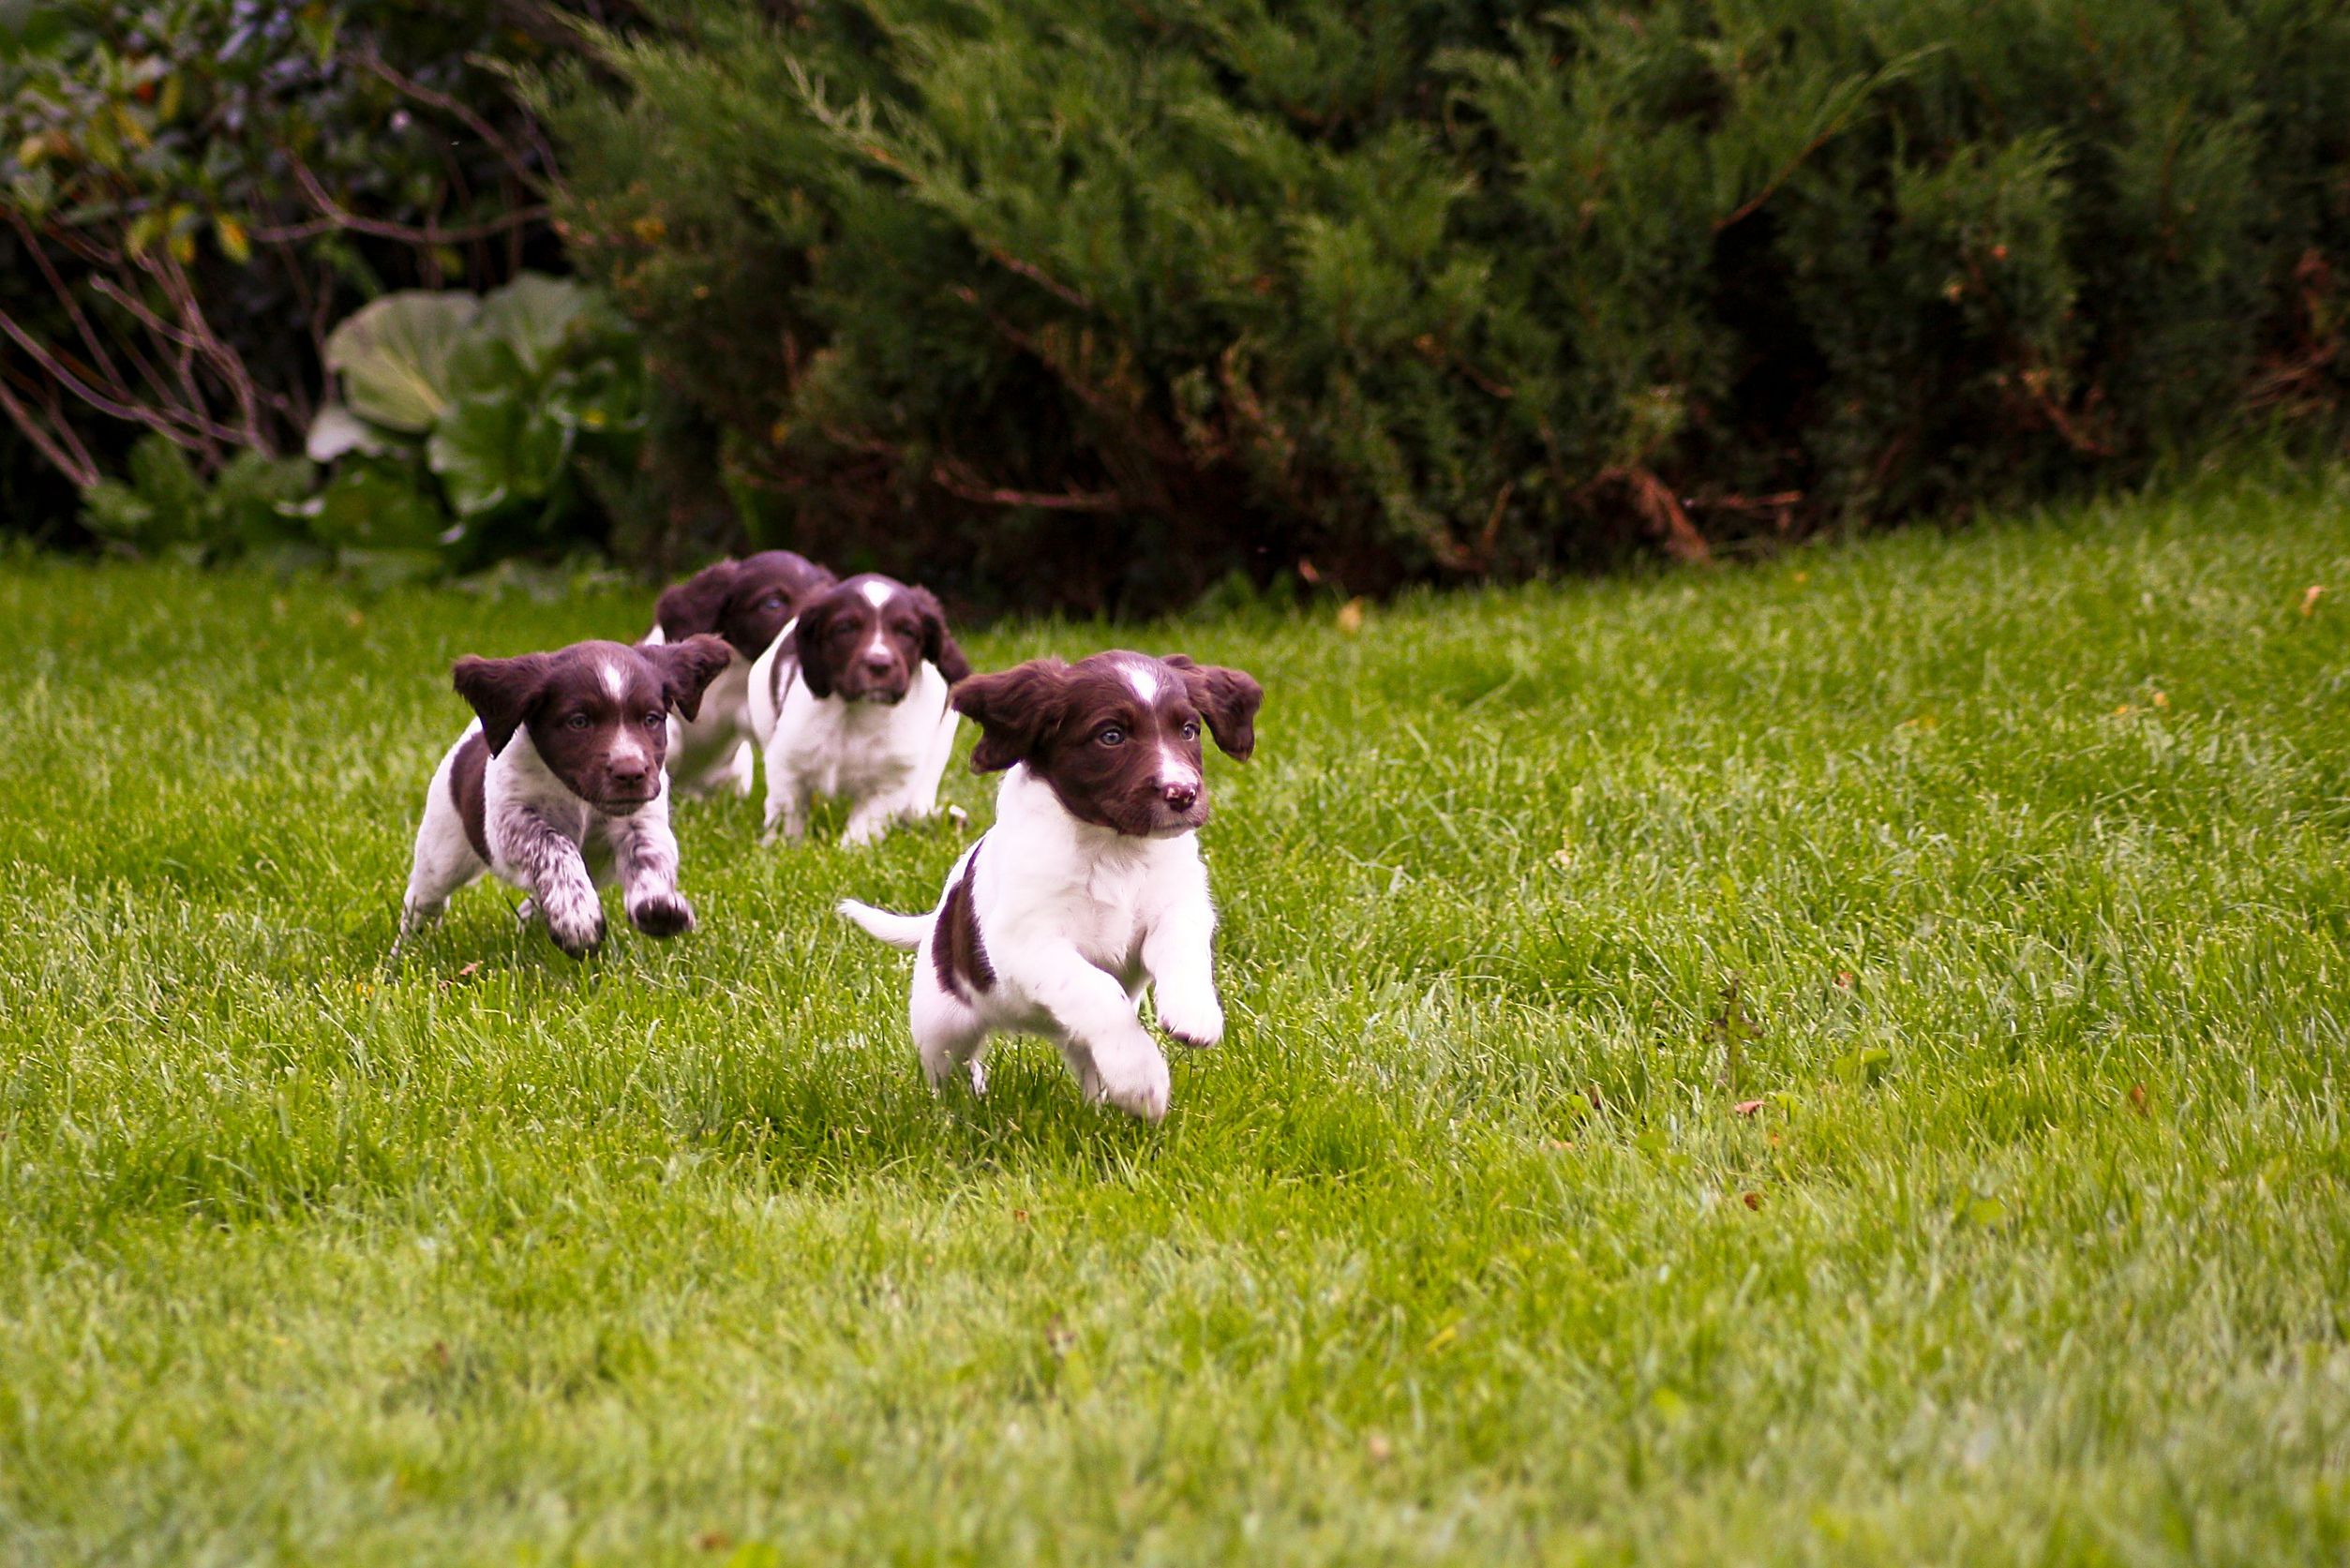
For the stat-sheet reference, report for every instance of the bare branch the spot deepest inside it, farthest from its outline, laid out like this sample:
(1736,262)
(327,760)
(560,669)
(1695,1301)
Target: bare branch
(57,285)
(76,467)
(431,234)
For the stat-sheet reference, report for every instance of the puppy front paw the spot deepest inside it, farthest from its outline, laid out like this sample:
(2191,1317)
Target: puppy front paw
(662,915)
(1197,1021)
(1136,1081)
(577,938)
(574,920)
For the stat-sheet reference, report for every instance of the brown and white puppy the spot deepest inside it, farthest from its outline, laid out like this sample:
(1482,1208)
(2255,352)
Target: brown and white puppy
(1090,884)
(853,703)
(558,786)
(749,603)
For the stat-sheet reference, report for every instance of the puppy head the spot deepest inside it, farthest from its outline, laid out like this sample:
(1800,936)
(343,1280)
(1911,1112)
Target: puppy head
(865,640)
(746,602)
(1115,736)
(596,713)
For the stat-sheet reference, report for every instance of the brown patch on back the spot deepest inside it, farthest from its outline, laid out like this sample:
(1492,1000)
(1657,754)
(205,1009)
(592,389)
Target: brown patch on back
(464,786)
(956,951)
(745,602)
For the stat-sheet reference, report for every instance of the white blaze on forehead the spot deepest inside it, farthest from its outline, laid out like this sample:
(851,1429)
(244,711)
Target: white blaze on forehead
(877,594)
(1145,681)
(615,679)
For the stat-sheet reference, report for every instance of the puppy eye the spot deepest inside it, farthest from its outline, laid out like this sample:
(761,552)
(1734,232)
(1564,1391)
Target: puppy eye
(653,720)
(578,721)
(1111,737)
(1190,729)
(773,601)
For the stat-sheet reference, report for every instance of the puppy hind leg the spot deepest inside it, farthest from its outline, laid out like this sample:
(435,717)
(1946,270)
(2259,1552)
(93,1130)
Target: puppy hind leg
(439,871)
(948,1036)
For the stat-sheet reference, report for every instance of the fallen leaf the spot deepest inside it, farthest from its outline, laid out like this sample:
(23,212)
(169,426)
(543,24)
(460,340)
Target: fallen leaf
(2162,699)
(1020,1217)
(1351,616)
(2308,599)
(470,970)
(1752,1200)
(1379,1448)
(1747,1106)
(358,621)
(1308,570)
(2137,1098)
(2123,712)
(1844,980)
(1802,577)
(713,1541)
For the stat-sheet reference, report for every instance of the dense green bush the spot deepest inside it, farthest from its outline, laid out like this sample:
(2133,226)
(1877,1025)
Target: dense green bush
(1099,299)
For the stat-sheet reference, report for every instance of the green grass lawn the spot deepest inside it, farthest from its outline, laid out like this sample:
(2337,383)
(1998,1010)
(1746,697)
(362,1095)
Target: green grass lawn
(2027,849)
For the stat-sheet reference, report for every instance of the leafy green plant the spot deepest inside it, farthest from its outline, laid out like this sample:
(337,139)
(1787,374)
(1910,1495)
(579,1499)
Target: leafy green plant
(483,409)
(164,507)
(464,433)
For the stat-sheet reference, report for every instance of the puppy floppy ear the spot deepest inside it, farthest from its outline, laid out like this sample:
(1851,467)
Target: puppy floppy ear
(1228,699)
(807,641)
(686,668)
(501,690)
(938,646)
(696,604)
(1018,711)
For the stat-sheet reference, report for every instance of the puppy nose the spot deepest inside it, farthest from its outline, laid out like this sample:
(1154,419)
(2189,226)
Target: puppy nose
(630,775)
(879,663)
(1182,797)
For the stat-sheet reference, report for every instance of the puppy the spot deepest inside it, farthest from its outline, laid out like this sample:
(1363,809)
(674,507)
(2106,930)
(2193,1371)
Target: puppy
(854,703)
(1090,884)
(560,786)
(748,603)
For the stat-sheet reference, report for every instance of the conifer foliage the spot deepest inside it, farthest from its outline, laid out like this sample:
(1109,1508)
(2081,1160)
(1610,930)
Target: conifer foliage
(1096,299)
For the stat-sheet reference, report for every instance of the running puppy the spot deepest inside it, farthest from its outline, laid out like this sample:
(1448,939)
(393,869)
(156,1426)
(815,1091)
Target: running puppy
(853,703)
(748,603)
(560,786)
(1090,884)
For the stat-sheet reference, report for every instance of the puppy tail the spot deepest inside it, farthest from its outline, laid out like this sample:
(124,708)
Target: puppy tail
(899,930)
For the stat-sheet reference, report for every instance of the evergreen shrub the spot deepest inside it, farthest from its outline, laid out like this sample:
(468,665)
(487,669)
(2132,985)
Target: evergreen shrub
(1094,301)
